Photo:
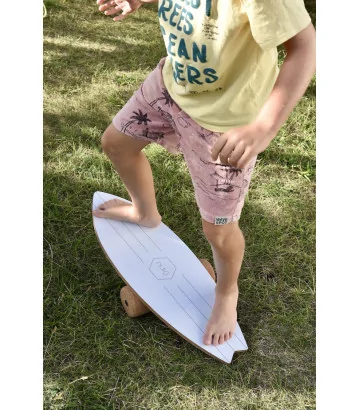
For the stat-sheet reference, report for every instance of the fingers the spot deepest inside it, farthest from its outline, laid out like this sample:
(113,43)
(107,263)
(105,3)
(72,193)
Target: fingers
(111,7)
(235,148)
(114,10)
(219,144)
(120,17)
(226,151)
(244,159)
(125,12)
(236,154)
(105,5)
(222,149)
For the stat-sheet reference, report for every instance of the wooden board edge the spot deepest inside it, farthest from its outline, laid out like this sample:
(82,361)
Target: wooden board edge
(155,313)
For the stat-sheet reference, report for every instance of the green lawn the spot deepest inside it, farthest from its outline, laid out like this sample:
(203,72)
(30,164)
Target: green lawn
(95,357)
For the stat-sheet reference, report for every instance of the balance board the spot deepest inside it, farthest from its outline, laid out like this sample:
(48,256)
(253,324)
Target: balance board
(167,277)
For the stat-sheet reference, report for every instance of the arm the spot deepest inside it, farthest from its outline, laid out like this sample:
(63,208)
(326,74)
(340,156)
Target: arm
(238,145)
(294,77)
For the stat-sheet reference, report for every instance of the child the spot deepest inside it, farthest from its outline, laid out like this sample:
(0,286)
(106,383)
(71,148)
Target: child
(219,98)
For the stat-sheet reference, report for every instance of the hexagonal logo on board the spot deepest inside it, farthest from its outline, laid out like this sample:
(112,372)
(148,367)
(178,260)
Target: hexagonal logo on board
(162,268)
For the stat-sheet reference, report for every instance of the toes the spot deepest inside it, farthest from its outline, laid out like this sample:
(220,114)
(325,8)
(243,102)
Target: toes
(216,339)
(111,209)
(109,204)
(103,206)
(221,339)
(98,213)
(207,340)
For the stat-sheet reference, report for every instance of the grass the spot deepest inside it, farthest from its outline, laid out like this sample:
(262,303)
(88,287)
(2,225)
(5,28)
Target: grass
(95,357)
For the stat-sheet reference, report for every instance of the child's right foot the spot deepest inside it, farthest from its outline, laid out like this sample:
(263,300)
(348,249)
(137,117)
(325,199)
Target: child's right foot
(123,211)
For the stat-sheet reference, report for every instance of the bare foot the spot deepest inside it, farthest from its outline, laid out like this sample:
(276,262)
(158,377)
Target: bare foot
(222,323)
(123,211)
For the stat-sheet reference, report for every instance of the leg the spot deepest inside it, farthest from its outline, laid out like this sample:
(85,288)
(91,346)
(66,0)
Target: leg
(228,245)
(220,192)
(134,170)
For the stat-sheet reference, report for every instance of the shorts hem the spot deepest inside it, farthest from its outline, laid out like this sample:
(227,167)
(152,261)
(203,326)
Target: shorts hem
(213,219)
(137,137)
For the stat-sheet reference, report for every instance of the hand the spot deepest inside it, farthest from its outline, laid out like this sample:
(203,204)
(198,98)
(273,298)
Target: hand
(125,7)
(237,146)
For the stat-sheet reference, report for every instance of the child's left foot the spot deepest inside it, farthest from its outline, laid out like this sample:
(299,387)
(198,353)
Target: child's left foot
(222,323)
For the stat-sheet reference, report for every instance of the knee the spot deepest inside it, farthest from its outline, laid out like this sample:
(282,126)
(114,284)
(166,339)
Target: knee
(218,235)
(110,143)
(117,145)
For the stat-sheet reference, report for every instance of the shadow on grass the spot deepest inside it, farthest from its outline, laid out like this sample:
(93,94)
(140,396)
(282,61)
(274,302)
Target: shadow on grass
(77,48)
(311,91)
(86,330)
(311,8)
(290,160)
(77,65)
(94,336)
(72,129)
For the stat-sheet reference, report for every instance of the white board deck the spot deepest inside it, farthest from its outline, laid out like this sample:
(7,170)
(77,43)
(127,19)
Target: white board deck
(167,275)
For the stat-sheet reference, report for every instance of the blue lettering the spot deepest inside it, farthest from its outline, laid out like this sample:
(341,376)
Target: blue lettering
(189,28)
(163,9)
(182,17)
(174,14)
(195,4)
(182,51)
(179,70)
(171,43)
(211,73)
(193,77)
(199,55)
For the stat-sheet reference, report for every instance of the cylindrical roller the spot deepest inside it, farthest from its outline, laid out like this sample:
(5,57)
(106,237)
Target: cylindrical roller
(133,306)
(209,268)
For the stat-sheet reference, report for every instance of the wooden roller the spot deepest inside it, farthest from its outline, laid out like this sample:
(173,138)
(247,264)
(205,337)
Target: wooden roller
(133,306)
(209,268)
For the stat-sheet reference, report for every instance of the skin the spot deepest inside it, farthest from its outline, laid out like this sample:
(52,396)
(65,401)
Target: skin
(109,8)
(238,145)
(235,147)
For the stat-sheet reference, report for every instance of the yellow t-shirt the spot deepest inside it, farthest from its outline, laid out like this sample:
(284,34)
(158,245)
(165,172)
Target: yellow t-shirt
(222,59)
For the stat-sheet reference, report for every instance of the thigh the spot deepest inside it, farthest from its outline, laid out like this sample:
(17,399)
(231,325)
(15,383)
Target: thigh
(148,115)
(220,189)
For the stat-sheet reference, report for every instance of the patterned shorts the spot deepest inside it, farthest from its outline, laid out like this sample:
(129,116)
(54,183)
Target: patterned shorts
(152,115)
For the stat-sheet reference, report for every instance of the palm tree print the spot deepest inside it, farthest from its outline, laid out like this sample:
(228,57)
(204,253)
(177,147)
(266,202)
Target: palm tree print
(223,182)
(232,172)
(139,117)
(166,96)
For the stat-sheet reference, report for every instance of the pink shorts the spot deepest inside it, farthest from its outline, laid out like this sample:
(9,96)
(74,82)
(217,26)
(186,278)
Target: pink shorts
(153,116)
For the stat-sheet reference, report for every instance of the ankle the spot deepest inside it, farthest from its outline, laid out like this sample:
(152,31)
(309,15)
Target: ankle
(151,220)
(227,290)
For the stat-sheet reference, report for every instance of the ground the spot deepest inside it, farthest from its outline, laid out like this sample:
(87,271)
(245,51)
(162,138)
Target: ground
(95,357)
